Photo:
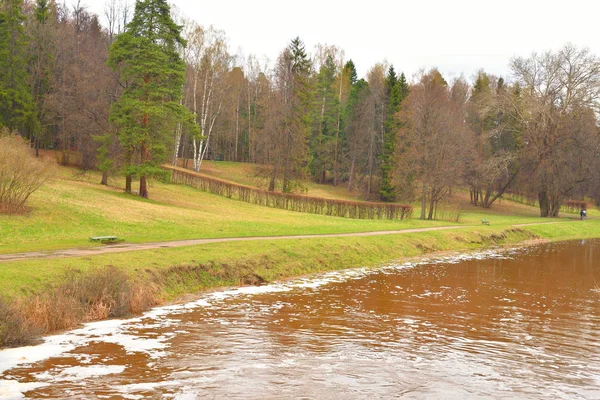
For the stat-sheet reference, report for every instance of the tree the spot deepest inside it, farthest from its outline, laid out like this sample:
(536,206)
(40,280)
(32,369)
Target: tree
(494,162)
(431,141)
(559,92)
(357,117)
(17,110)
(346,78)
(147,57)
(289,117)
(208,63)
(41,54)
(396,91)
(325,112)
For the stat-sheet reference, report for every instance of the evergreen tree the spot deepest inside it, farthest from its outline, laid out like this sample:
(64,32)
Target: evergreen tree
(324,122)
(41,30)
(17,111)
(298,121)
(350,69)
(397,90)
(42,11)
(148,59)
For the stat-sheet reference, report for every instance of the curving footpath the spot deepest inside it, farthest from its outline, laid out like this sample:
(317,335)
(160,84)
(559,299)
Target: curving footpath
(120,248)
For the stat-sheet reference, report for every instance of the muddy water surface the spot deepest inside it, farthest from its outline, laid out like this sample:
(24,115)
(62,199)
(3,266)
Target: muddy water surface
(510,325)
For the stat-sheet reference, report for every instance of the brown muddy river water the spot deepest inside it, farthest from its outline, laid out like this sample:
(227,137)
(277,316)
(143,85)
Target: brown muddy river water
(503,325)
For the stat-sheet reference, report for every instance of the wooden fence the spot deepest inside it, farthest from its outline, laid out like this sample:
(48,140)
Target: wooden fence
(291,202)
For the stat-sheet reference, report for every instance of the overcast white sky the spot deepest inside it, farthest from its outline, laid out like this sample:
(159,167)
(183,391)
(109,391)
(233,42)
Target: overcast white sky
(457,36)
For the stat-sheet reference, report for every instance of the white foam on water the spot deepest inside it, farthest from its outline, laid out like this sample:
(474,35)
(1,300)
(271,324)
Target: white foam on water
(10,358)
(13,390)
(116,331)
(80,373)
(146,386)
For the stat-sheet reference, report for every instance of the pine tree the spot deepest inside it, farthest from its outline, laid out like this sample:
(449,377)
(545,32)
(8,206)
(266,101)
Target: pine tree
(17,111)
(148,59)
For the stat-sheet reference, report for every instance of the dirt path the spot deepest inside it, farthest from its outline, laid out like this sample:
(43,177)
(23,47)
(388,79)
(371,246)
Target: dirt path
(120,248)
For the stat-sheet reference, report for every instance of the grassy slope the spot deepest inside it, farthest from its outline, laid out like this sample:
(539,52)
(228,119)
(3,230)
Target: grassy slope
(246,174)
(74,207)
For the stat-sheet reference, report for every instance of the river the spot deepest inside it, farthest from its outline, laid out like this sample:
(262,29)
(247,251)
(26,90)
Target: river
(506,324)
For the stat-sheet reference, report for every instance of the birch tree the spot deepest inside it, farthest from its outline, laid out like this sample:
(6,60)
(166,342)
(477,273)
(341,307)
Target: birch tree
(209,61)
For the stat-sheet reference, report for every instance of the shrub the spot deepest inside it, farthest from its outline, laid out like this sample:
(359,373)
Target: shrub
(13,329)
(21,173)
(82,296)
(292,202)
(107,293)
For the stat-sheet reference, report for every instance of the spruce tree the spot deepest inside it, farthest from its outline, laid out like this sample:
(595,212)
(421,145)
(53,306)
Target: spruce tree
(41,31)
(387,190)
(298,115)
(17,111)
(148,59)
(397,90)
(350,69)
(324,121)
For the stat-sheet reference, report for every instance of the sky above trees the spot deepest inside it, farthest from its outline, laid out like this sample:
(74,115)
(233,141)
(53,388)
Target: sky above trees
(460,36)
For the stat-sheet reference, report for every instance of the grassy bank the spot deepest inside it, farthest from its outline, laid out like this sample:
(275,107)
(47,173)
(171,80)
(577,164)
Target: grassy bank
(41,296)
(73,207)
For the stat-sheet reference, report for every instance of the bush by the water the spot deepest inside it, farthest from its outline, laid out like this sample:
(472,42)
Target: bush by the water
(21,173)
(104,293)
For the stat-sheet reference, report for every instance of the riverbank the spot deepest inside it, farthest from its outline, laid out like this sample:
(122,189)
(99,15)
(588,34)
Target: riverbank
(81,289)
(41,295)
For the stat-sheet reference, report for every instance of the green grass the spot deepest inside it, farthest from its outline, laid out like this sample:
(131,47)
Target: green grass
(73,207)
(280,259)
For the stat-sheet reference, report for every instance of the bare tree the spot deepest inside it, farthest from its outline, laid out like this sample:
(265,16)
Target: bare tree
(558,90)
(117,14)
(287,124)
(432,140)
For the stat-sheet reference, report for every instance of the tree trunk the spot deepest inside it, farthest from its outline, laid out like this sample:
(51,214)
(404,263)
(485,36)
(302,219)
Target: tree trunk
(143,181)
(433,203)
(128,183)
(272,183)
(370,157)
(104,180)
(544,204)
(423,200)
(351,177)
(143,187)
(485,202)
(556,202)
